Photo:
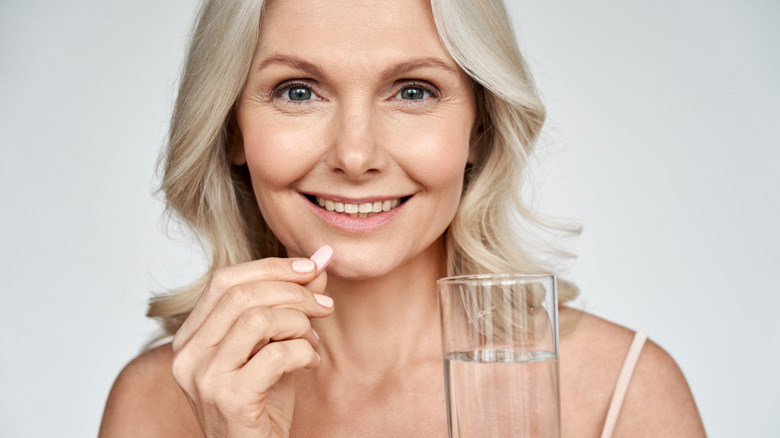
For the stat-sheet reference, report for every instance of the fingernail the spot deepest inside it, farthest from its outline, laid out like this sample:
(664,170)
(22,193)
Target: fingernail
(303,266)
(323,300)
(322,257)
(316,335)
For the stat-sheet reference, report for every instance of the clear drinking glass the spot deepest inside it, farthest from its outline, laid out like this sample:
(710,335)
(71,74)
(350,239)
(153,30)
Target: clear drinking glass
(500,352)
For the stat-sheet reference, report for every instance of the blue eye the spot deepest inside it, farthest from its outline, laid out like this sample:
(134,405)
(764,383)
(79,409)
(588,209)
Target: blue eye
(298,94)
(294,92)
(414,91)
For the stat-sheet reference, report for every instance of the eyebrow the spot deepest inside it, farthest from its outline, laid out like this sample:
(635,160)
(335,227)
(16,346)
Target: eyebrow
(393,71)
(417,64)
(290,61)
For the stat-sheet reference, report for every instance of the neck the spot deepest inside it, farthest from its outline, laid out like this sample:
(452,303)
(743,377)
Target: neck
(387,322)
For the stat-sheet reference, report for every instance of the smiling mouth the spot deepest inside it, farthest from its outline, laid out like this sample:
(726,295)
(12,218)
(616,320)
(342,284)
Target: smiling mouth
(362,209)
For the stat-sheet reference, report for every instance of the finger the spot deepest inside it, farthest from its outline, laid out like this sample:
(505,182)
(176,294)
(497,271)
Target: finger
(255,329)
(273,361)
(295,270)
(267,294)
(299,271)
(317,285)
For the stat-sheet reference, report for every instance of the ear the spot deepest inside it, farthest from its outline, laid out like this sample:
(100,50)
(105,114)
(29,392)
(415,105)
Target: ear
(235,146)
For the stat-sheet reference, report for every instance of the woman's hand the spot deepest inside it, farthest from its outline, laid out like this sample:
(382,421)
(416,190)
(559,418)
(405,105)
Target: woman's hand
(249,329)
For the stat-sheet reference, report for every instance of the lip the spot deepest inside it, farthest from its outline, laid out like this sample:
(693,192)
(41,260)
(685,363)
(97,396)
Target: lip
(354,224)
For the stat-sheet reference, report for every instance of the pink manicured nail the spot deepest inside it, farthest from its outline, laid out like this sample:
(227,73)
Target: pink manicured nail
(323,300)
(322,257)
(303,266)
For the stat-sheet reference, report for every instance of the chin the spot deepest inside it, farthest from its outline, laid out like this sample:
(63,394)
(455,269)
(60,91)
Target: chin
(365,261)
(360,267)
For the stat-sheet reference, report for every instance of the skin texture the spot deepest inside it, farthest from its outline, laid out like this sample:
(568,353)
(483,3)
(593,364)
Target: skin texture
(273,348)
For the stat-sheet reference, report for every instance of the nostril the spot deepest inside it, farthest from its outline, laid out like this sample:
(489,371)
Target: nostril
(354,173)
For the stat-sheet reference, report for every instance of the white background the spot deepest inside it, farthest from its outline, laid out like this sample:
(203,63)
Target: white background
(663,141)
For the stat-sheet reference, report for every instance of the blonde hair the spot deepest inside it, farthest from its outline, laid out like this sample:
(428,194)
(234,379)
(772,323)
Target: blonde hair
(492,232)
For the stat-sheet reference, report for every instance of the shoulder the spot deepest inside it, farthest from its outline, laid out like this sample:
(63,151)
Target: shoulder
(658,401)
(146,401)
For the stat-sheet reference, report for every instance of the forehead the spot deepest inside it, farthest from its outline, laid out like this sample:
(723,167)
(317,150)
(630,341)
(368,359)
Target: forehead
(352,30)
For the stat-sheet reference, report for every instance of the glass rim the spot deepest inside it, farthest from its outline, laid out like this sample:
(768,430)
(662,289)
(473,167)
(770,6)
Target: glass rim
(472,278)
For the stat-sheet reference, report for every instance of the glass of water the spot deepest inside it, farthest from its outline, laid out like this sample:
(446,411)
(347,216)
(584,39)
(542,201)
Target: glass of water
(500,351)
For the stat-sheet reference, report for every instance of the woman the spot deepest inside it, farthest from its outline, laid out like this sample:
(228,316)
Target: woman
(386,141)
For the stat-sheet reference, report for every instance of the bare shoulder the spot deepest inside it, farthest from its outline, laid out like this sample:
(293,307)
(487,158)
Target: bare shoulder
(146,401)
(658,402)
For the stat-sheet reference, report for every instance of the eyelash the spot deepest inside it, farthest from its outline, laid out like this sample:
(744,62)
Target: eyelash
(280,89)
(425,86)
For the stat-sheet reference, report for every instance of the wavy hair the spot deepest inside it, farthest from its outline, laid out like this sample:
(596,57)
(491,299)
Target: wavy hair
(493,230)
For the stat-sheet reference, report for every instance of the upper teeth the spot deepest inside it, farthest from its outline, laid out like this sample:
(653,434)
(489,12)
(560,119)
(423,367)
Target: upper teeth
(365,207)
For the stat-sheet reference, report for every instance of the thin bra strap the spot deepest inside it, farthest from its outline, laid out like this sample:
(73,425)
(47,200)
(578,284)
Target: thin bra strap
(622,383)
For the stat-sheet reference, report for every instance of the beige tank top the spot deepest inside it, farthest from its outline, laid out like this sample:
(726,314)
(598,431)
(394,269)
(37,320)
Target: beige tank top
(622,383)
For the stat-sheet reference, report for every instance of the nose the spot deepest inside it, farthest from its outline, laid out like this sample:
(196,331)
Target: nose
(355,151)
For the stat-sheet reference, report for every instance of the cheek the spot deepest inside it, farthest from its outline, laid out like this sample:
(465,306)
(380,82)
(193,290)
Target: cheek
(277,157)
(438,158)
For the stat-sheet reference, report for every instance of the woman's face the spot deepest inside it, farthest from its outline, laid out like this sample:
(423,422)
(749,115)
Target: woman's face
(356,128)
